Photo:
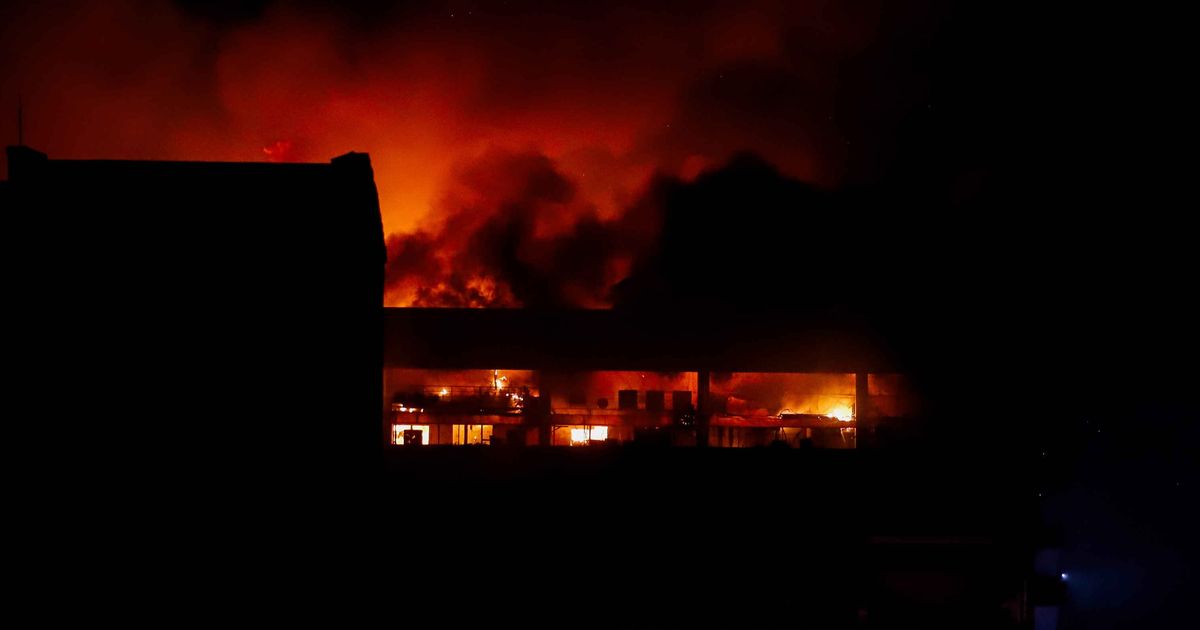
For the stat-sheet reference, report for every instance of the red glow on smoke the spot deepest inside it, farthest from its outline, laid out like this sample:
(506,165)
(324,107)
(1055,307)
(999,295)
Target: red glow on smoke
(603,97)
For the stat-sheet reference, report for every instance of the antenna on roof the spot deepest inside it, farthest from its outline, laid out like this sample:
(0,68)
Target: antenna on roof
(20,122)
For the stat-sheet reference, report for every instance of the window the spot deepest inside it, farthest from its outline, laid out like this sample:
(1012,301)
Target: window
(472,434)
(582,435)
(399,429)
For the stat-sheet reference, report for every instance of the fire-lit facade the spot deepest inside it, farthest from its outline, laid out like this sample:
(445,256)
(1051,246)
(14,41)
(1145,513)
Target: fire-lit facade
(566,379)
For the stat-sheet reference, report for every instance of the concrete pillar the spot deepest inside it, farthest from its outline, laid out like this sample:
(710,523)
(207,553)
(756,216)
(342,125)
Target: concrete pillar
(387,410)
(863,413)
(541,411)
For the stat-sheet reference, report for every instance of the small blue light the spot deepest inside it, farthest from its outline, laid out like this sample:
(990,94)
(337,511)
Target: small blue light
(1063,576)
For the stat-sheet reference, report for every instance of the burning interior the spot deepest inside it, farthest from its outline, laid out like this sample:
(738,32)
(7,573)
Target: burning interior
(584,408)
(760,409)
(458,406)
(583,378)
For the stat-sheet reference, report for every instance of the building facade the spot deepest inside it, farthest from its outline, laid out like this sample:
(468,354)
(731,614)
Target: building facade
(577,378)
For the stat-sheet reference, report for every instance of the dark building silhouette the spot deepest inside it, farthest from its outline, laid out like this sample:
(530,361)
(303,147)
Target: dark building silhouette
(223,323)
(226,312)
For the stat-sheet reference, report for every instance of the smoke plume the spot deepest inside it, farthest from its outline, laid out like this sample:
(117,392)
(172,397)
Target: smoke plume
(526,152)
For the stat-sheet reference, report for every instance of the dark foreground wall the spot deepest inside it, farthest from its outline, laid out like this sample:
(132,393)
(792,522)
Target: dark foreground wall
(649,537)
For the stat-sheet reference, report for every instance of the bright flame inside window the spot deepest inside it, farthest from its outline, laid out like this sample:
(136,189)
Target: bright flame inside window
(472,434)
(581,435)
(842,413)
(399,429)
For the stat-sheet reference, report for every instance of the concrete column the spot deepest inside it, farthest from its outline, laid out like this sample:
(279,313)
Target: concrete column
(387,410)
(862,410)
(542,411)
(702,410)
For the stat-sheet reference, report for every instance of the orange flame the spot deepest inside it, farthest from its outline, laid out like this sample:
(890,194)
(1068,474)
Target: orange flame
(842,413)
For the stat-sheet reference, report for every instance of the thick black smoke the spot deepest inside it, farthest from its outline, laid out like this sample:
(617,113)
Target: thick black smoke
(514,231)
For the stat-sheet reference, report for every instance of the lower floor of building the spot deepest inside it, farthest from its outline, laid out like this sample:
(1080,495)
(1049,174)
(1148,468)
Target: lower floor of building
(415,433)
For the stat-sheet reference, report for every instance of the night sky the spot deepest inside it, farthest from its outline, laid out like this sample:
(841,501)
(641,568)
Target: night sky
(972,178)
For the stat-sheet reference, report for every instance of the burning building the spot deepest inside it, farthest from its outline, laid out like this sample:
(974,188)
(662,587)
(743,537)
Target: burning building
(573,378)
(236,309)
(853,533)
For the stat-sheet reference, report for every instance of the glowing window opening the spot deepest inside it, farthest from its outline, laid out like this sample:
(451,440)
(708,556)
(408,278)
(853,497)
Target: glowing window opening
(399,429)
(582,435)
